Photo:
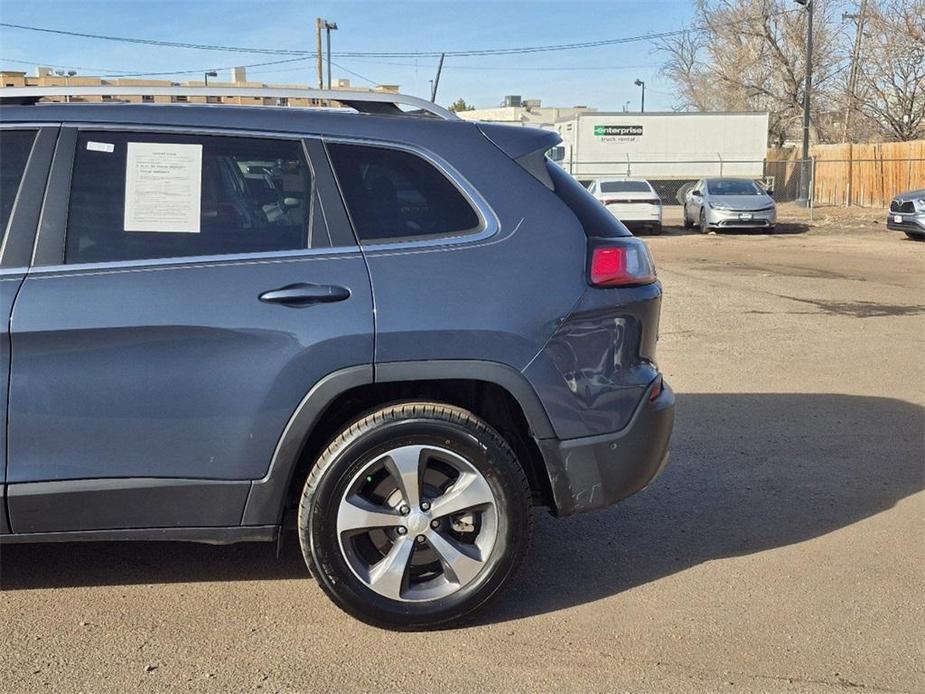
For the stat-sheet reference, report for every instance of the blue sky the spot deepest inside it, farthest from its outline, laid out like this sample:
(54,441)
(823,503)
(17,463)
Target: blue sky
(601,77)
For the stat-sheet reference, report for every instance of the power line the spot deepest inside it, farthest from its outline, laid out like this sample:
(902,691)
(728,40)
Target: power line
(72,67)
(351,54)
(124,72)
(355,74)
(537,68)
(120,72)
(358,55)
(153,42)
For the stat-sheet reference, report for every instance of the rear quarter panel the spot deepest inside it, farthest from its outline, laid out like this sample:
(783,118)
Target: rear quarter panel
(496,299)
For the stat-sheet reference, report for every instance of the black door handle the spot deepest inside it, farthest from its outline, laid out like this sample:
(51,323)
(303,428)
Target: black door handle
(302,294)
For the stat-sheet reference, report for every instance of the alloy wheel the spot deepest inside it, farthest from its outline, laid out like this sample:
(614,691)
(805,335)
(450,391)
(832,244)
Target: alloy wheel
(417,523)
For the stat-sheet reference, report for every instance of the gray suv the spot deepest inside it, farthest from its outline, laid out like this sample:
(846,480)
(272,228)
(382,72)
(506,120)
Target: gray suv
(396,331)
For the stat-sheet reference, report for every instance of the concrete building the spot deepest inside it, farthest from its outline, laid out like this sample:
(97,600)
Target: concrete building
(517,111)
(46,77)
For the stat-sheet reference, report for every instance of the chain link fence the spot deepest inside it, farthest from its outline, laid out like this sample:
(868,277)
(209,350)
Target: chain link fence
(833,182)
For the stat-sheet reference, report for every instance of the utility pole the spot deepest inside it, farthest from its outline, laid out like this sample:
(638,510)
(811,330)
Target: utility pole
(855,65)
(319,24)
(436,81)
(805,172)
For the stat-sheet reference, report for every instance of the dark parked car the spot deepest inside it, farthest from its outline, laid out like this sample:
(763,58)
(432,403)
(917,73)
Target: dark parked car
(907,214)
(401,331)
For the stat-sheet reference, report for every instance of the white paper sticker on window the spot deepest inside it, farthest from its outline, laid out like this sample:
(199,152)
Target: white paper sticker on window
(163,184)
(101,147)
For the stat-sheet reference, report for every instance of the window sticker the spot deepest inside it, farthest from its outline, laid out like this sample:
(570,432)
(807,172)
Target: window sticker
(101,147)
(163,186)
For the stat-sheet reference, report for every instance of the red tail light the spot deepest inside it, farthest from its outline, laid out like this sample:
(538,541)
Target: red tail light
(621,263)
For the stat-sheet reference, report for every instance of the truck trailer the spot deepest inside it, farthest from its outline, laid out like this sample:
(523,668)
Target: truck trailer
(663,147)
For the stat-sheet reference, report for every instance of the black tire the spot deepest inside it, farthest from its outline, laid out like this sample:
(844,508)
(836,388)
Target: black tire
(772,229)
(915,237)
(704,229)
(687,222)
(413,423)
(655,229)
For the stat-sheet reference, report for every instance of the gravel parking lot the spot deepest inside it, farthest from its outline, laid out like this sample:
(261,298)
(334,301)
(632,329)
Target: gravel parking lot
(782,550)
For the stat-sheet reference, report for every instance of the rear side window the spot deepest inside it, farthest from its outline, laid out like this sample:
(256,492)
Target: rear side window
(393,195)
(158,195)
(15,146)
(625,187)
(594,217)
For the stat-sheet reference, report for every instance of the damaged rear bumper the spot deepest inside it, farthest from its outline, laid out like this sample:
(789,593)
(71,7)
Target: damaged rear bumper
(596,471)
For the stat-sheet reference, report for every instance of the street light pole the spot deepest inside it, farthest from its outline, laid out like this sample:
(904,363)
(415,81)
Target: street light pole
(329,27)
(67,81)
(805,173)
(207,75)
(642,106)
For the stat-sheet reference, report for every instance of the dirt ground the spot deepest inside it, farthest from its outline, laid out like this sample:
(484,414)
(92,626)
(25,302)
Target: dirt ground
(782,550)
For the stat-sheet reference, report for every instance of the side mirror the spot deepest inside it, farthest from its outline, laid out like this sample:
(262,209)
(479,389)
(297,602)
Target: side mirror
(695,193)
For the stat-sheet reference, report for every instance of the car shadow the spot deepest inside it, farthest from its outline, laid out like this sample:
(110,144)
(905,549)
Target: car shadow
(781,229)
(86,564)
(749,472)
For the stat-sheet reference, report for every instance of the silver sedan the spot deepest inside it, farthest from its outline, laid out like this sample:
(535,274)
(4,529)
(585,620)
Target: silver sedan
(728,203)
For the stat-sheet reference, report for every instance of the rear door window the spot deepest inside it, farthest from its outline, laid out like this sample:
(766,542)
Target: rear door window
(396,195)
(15,146)
(162,195)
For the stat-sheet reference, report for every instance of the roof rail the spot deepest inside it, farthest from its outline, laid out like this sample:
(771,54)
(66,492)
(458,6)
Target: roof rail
(362,102)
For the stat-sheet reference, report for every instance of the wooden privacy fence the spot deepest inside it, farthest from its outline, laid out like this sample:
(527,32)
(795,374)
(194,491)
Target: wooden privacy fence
(865,175)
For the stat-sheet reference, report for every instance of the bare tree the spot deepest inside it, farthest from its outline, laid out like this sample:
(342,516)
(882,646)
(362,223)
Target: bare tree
(891,85)
(686,69)
(749,55)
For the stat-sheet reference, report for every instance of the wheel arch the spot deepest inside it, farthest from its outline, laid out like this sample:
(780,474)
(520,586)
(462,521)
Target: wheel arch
(515,410)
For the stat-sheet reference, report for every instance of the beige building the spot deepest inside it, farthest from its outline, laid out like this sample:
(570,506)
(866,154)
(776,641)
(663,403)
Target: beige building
(46,77)
(517,111)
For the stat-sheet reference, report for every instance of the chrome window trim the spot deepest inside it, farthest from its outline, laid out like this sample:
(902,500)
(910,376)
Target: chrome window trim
(310,230)
(191,262)
(489,221)
(28,125)
(489,225)
(4,232)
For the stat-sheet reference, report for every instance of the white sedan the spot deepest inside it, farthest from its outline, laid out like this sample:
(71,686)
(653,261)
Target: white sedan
(631,200)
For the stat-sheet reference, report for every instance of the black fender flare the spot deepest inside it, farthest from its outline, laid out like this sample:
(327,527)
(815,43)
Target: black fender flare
(267,497)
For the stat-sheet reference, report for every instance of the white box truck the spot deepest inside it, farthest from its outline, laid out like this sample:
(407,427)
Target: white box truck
(672,146)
